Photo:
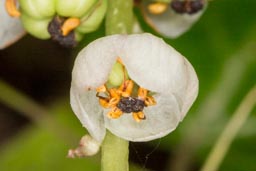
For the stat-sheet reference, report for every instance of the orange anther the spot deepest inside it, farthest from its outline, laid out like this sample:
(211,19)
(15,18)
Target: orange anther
(150,101)
(69,25)
(119,60)
(157,8)
(101,89)
(104,102)
(142,93)
(114,113)
(126,88)
(11,8)
(138,116)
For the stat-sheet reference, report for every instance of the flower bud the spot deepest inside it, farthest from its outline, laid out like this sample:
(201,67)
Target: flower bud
(92,21)
(75,8)
(38,9)
(37,28)
(87,147)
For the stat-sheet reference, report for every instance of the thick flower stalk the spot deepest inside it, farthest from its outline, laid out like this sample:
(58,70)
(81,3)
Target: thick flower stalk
(62,20)
(172,19)
(136,86)
(11,28)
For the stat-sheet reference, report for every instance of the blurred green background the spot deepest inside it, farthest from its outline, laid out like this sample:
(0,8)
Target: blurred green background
(222,49)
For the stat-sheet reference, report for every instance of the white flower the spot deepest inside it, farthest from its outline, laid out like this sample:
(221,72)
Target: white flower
(164,19)
(11,28)
(151,64)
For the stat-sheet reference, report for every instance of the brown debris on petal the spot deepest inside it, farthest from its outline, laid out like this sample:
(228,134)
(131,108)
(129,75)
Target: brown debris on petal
(55,31)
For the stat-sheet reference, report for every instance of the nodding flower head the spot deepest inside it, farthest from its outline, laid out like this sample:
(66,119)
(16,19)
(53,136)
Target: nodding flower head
(175,18)
(136,86)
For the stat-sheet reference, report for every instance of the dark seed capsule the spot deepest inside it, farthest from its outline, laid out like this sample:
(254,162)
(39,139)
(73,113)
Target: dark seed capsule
(129,104)
(54,29)
(178,6)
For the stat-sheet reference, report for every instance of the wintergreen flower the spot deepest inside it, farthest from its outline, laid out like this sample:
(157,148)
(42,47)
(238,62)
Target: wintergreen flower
(175,18)
(148,102)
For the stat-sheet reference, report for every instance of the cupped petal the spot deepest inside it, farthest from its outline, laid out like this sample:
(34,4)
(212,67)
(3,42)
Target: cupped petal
(94,63)
(87,109)
(170,23)
(161,119)
(11,28)
(191,91)
(153,64)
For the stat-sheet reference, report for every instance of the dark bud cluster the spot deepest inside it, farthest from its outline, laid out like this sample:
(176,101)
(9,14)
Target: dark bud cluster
(54,29)
(129,104)
(187,6)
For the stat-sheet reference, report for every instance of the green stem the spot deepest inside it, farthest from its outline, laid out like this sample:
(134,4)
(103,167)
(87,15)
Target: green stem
(228,135)
(119,20)
(114,153)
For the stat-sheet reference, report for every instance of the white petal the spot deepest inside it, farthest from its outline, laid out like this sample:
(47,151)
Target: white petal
(153,64)
(94,62)
(11,29)
(161,119)
(170,23)
(191,91)
(86,107)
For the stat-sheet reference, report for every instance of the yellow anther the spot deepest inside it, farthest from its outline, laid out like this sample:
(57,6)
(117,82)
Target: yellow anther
(138,116)
(142,93)
(69,25)
(11,8)
(150,101)
(104,102)
(101,89)
(114,113)
(119,60)
(126,88)
(157,8)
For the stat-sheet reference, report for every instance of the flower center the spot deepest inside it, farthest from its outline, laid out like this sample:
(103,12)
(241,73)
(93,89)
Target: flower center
(120,100)
(130,104)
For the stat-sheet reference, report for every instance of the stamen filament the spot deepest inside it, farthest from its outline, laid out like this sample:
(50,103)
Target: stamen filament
(69,25)
(11,8)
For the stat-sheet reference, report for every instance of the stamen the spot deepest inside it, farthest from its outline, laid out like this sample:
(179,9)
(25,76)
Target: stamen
(101,89)
(69,25)
(126,88)
(150,101)
(11,8)
(104,102)
(142,93)
(157,8)
(138,116)
(115,98)
(114,113)
(119,60)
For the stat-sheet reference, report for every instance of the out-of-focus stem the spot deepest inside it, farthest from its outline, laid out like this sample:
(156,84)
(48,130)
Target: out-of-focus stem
(213,106)
(30,109)
(230,131)
(119,19)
